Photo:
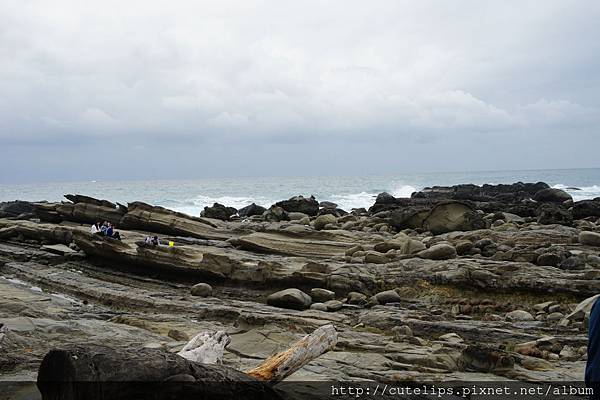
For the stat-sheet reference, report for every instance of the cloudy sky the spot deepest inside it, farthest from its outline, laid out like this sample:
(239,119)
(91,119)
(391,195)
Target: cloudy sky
(186,89)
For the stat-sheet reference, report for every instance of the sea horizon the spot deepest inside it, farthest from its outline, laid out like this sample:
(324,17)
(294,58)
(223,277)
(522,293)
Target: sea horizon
(190,196)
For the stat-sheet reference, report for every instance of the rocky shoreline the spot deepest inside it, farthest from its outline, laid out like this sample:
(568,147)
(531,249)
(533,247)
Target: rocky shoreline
(466,282)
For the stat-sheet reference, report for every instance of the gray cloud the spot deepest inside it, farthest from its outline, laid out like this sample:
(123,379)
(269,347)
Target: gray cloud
(285,87)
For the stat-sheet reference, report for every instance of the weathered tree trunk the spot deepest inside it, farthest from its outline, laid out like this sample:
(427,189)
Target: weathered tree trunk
(95,372)
(277,367)
(206,347)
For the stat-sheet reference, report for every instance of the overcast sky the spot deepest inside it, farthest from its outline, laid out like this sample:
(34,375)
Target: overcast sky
(184,89)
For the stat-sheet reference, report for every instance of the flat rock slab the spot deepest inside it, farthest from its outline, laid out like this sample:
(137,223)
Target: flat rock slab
(280,243)
(59,249)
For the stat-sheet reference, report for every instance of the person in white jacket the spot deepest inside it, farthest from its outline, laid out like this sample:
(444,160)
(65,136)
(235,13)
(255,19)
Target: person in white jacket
(95,228)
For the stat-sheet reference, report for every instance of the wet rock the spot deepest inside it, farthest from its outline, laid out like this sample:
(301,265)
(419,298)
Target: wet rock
(586,208)
(201,289)
(589,238)
(519,315)
(15,208)
(290,298)
(308,206)
(552,195)
(321,295)
(218,211)
(251,210)
(440,251)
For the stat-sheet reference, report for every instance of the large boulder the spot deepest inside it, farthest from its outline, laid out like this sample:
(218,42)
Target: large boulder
(511,193)
(388,296)
(375,257)
(144,217)
(80,198)
(441,251)
(412,246)
(452,216)
(275,214)
(408,218)
(290,298)
(218,211)
(552,195)
(589,238)
(201,289)
(322,220)
(306,205)
(548,214)
(586,208)
(16,208)
(252,209)
(519,315)
(321,295)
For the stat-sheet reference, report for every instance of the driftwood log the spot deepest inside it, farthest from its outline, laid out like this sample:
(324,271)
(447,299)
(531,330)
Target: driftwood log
(96,372)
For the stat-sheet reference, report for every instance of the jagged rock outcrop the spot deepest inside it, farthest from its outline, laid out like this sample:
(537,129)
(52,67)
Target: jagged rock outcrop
(218,211)
(452,216)
(142,216)
(306,205)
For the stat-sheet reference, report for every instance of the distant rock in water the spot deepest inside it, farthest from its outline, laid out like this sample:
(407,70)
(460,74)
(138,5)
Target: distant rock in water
(505,193)
(252,209)
(16,208)
(552,195)
(218,211)
(306,205)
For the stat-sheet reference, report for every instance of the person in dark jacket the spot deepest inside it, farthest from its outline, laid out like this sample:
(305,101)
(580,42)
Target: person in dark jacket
(592,368)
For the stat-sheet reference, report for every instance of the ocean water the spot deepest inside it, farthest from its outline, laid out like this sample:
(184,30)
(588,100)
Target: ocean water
(191,196)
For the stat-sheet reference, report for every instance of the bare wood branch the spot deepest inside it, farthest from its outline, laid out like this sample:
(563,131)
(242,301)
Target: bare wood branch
(279,366)
(206,347)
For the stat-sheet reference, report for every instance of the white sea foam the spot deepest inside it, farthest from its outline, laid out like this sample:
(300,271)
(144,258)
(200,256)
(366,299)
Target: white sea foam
(404,191)
(356,200)
(584,192)
(347,201)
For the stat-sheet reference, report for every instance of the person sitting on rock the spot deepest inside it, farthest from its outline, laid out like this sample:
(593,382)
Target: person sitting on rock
(148,240)
(155,241)
(104,227)
(96,228)
(111,232)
